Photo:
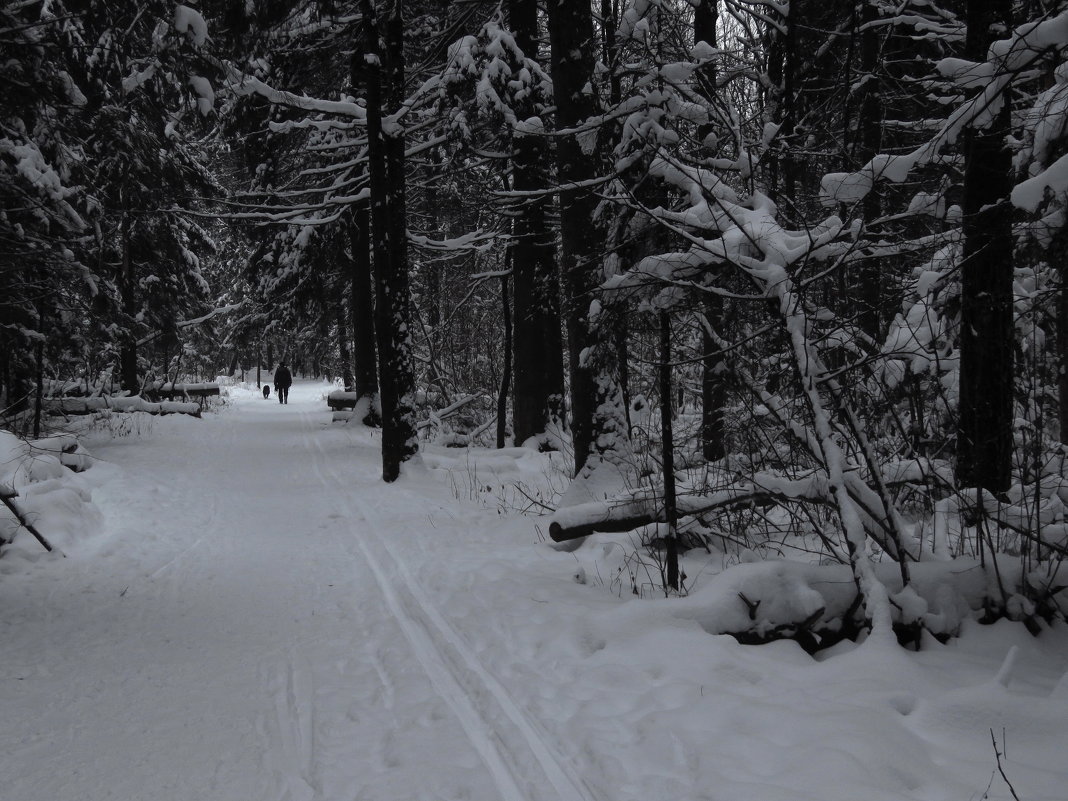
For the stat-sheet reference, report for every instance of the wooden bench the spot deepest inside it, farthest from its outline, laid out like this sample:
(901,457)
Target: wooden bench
(339,400)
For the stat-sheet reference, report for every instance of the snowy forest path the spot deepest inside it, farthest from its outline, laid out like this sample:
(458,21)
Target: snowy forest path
(245,630)
(508,739)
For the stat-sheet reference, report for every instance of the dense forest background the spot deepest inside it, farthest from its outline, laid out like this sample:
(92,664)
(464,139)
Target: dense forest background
(778,277)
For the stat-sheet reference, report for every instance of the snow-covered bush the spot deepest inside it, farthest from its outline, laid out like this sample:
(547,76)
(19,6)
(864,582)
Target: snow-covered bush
(40,486)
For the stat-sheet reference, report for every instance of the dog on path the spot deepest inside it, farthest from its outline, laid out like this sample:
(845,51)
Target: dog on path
(266,391)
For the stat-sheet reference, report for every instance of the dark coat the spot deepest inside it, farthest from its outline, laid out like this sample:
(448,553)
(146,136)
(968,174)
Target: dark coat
(282,377)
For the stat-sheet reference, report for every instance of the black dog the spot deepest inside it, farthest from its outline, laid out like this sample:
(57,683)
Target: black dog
(266,391)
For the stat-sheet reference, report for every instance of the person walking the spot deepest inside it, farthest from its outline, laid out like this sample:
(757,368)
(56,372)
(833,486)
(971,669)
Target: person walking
(283,380)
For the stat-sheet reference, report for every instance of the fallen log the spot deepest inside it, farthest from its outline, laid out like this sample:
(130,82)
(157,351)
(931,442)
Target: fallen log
(646,506)
(436,418)
(135,403)
(169,391)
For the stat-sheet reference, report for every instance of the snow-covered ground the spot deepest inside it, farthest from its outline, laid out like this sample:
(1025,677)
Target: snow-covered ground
(257,617)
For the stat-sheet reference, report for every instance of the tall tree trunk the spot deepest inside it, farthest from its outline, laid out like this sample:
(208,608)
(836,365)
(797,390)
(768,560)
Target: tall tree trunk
(431,268)
(362,307)
(782,73)
(343,350)
(984,434)
(362,281)
(869,141)
(538,399)
(713,368)
(1059,256)
(385,88)
(713,382)
(6,394)
(598,420)
(667,438)
(38,398)
(506,373)
(127,288)
(539,364)
(613,131)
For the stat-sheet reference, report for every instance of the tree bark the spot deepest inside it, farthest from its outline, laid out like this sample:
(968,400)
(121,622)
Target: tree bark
(713,369)
(869,140)
(362,307)
(38,398)
(713,383)
(538,399)
(506,373)
(668,453)
(1062,337)
(361,279)
(128,348)
(594,392)
(385,136)
(984,433)
(343,349)
(782,73)
(539,364)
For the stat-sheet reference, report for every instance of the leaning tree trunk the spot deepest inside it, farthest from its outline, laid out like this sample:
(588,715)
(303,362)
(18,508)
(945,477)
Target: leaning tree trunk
(984,433)
(385,88)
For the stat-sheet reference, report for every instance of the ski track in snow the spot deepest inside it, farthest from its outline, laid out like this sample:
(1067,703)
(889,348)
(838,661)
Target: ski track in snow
(262,619)
(453,667)
(290,735)
(241,642)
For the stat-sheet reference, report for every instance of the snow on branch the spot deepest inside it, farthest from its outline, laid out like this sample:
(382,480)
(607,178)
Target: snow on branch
(478,241)
(195,321)
(243,84)
(190,22)
(1006,58)
(213,313)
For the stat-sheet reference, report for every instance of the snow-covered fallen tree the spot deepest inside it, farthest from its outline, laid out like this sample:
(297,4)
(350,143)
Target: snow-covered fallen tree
(169,390)
(135,403)
(760,600)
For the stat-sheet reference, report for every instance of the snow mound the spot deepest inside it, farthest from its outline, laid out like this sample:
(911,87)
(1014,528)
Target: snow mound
(39,479)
